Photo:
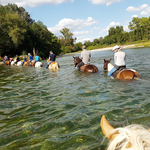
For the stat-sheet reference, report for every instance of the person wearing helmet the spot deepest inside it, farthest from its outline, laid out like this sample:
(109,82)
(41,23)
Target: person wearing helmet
(30,58)
(119,60)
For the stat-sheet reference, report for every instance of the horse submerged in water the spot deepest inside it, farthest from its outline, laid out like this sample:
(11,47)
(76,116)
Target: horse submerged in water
(132,137)
(85,68)
(123,74)
(53,66)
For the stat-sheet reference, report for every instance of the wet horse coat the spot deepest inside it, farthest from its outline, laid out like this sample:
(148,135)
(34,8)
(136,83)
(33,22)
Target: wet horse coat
(124,74)
(54,66)
(85,68)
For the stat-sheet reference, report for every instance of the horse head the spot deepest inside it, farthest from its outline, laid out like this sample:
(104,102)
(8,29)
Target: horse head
(77,60)
(132,137)
(106,63)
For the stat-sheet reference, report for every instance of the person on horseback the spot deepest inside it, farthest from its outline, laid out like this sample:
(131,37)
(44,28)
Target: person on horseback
(30,58)
(119,60)
(85,56)
(17,59)
(5,58)
(37,58)
(24,59)
(52,57)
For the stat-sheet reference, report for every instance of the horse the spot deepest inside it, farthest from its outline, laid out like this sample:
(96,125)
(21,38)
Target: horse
(7,62)
(123,74)
(54,66)
(19,63)
(38,64)
(12,63)
(85,68)
(131,137)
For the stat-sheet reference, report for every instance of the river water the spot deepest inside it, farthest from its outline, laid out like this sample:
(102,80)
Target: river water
(44,110)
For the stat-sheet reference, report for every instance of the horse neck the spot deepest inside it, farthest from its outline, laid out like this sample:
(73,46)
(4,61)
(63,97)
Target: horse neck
(109,67)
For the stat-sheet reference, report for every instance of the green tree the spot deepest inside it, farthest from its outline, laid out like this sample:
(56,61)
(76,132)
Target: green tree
(20,11)
(67,37)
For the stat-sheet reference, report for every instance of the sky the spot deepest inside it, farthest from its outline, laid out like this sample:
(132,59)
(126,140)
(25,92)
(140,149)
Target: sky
(86,19)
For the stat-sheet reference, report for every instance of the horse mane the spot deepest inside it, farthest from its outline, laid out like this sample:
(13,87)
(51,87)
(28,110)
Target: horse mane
(78,59)
(132,137)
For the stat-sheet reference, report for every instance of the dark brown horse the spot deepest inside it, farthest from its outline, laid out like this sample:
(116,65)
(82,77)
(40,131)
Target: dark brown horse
(85,68)
(124,74)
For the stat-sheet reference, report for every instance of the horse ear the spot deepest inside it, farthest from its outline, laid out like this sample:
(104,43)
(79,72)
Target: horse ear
(107,129)
(109,59)
(104,60)
(74,57)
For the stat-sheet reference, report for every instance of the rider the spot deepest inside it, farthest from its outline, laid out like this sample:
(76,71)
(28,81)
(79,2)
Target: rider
(85,56)
(17,59)
(52,57)
(119,60)
(5,58)
(37,58)
(24,59)
(30,57)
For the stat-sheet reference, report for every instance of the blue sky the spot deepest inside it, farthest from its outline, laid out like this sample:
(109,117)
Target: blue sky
(86,19)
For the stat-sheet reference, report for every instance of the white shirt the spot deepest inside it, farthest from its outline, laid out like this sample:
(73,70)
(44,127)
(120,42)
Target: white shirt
(119,59)
(86,56)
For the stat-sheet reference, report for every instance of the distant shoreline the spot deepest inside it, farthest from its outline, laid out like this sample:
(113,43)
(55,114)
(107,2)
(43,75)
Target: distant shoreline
(110,48)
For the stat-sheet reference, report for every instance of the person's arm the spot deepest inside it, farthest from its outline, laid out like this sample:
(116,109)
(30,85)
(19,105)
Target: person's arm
(115,58)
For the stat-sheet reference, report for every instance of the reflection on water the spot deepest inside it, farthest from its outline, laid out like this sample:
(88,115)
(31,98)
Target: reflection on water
(61,110)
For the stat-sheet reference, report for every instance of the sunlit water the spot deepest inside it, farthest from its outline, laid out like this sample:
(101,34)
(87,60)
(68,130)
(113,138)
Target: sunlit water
(43,110)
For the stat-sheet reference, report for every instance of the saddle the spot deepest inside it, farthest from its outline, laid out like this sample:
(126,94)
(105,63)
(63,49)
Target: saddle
(117,72)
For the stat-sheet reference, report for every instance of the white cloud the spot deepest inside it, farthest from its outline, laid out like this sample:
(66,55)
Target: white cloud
(112,24)
(82,39)
(97,28)
(131,8)
(134,16)
(34,3)
(144,13)
(72,25)
(77,33)
(107,2)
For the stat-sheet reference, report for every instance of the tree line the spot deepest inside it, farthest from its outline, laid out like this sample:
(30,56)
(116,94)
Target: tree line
(20,34)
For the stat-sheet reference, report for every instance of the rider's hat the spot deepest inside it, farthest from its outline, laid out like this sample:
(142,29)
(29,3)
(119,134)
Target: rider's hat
(116,47)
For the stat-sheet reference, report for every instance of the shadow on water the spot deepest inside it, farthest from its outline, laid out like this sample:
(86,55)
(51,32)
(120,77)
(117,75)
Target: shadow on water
(40,109)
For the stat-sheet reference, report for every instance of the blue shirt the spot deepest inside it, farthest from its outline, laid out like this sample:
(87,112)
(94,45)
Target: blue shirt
(31,57)
(37,58)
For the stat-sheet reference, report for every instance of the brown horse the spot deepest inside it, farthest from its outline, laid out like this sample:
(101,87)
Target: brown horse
(54,66)
(85,68)
(123,74)
(32,63)
(26,63)
(7,62)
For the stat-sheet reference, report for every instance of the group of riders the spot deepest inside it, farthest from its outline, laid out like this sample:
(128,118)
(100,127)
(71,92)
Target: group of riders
(119,59)
(31,61)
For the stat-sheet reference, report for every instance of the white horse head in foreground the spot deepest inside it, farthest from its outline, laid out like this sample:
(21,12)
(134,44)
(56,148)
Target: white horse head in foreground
(132,137)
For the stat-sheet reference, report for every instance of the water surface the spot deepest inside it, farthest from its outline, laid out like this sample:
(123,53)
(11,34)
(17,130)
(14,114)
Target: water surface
(44,110)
